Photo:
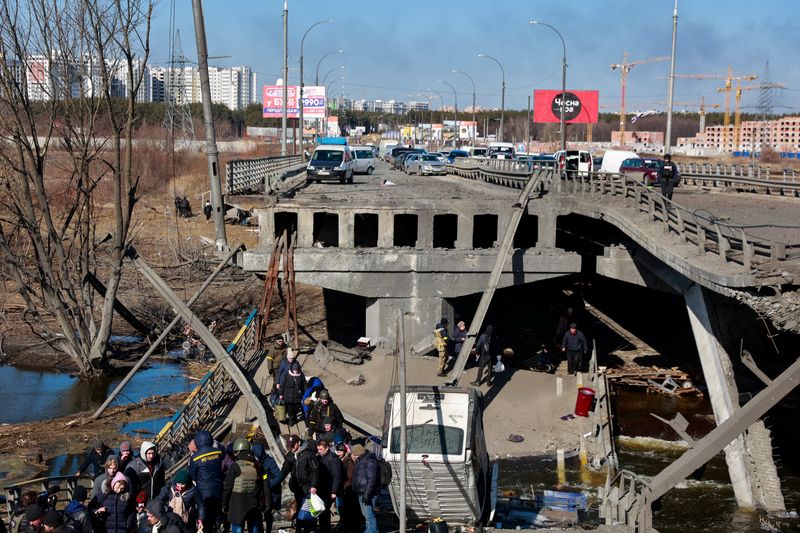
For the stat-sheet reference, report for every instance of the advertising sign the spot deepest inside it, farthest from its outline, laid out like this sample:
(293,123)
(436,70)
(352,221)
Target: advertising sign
(313,102)
(580,107)
(273,101)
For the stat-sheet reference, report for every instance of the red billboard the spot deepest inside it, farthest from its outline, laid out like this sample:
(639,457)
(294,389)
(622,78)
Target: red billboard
(580,107)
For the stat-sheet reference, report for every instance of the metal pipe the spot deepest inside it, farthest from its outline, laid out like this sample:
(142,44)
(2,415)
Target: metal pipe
(671,88)
(163,335)
(220,239)
(403,427)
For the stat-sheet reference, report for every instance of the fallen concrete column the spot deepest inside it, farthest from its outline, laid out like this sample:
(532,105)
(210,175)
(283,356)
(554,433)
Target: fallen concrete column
(721,389)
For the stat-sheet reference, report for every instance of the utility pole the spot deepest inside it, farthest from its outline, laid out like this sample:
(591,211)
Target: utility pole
(217,205)
(671,84)
(527,128)
(285,73)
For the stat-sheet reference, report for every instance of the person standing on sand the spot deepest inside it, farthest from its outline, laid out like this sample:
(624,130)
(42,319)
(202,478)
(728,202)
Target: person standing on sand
(440,341)
(575,346)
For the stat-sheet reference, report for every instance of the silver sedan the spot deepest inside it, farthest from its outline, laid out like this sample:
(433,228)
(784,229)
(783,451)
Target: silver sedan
(426,164)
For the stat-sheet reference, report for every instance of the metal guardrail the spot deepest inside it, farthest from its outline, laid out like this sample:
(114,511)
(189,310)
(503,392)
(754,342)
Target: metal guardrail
(212,399)
(724,169)
(730,241)
(261,174)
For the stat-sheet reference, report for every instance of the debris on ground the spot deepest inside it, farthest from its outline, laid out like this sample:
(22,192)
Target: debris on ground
(667,381)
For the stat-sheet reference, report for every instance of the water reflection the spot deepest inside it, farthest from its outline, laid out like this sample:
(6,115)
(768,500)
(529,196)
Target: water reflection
(29,395)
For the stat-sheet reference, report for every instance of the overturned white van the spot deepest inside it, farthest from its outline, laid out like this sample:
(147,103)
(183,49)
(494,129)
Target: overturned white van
(447,467)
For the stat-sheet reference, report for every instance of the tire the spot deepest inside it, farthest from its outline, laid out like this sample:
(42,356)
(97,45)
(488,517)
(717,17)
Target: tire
(343,179)
(369,171)
(319,181)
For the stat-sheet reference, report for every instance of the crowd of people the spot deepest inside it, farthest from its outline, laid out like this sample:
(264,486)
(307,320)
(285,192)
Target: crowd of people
(568,340)
(225,488)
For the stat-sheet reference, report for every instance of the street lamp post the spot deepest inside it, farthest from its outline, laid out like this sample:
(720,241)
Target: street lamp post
(502,95)
(441,99)
(331,71)
(285,74)
(474,124)
(316,79)
(671,84)
(455,108)
(430,108)
(302,81)
(563,79)
(327,92)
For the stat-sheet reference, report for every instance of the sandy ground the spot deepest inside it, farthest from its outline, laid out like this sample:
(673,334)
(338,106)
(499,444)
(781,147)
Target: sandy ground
(520,402)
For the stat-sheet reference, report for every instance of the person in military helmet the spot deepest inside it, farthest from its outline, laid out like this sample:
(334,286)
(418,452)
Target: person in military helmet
(668,176)
(324,408)
(243,490)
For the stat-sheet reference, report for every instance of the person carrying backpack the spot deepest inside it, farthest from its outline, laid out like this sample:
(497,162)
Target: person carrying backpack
(366,484)
(76,515)
(180,497)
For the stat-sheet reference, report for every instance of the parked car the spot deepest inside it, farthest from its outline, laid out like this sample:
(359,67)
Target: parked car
(423,164)
(636,167)
(453,154)
(363,160)
(331,162)
(399,161)
(439,155)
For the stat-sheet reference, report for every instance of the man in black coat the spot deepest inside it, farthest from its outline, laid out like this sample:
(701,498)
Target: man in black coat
(575,346)
(303,465)
(484,347)
(366,484)
(166,521)
(329,482)
(92,462)
(668,176)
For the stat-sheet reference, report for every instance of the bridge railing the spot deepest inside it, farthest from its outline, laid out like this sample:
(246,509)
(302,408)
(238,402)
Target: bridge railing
(212,399)
(623,501)
(260,174)
(731,242)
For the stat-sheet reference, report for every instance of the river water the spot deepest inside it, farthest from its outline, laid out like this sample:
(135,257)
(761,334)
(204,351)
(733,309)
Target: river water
(29,395)
(646,446)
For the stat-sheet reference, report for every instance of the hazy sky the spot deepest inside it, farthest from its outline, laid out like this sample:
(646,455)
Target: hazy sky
(393,49)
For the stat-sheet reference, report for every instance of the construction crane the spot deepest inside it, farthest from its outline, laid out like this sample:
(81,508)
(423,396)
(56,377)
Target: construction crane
(727,90)
(624,68)
(702,105)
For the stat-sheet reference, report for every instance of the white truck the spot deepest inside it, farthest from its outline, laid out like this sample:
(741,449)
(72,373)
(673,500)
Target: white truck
(447,466)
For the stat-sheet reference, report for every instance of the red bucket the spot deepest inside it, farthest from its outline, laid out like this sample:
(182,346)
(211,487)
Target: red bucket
(584,402)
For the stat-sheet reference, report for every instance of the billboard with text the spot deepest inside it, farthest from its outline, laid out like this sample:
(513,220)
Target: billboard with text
(580,107)
(313,101)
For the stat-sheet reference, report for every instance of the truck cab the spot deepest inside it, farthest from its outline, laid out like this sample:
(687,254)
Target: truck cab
(447,465)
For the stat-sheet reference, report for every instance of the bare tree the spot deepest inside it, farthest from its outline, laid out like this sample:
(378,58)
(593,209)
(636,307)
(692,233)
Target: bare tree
(70,73)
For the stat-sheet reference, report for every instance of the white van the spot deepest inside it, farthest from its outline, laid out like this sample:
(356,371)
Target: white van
(576,163)
(385,148)
(331,162)
(613,159)
(447,463)
(500,150)
(363,159)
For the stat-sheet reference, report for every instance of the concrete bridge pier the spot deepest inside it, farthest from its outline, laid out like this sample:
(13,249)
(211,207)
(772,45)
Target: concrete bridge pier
(749,458)
(420,316)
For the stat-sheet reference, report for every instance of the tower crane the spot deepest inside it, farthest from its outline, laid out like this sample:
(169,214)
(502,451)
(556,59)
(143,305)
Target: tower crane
(624,68)
(702,106)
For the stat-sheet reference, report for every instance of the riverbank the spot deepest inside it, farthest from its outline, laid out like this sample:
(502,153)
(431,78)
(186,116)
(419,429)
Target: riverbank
(26,448)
